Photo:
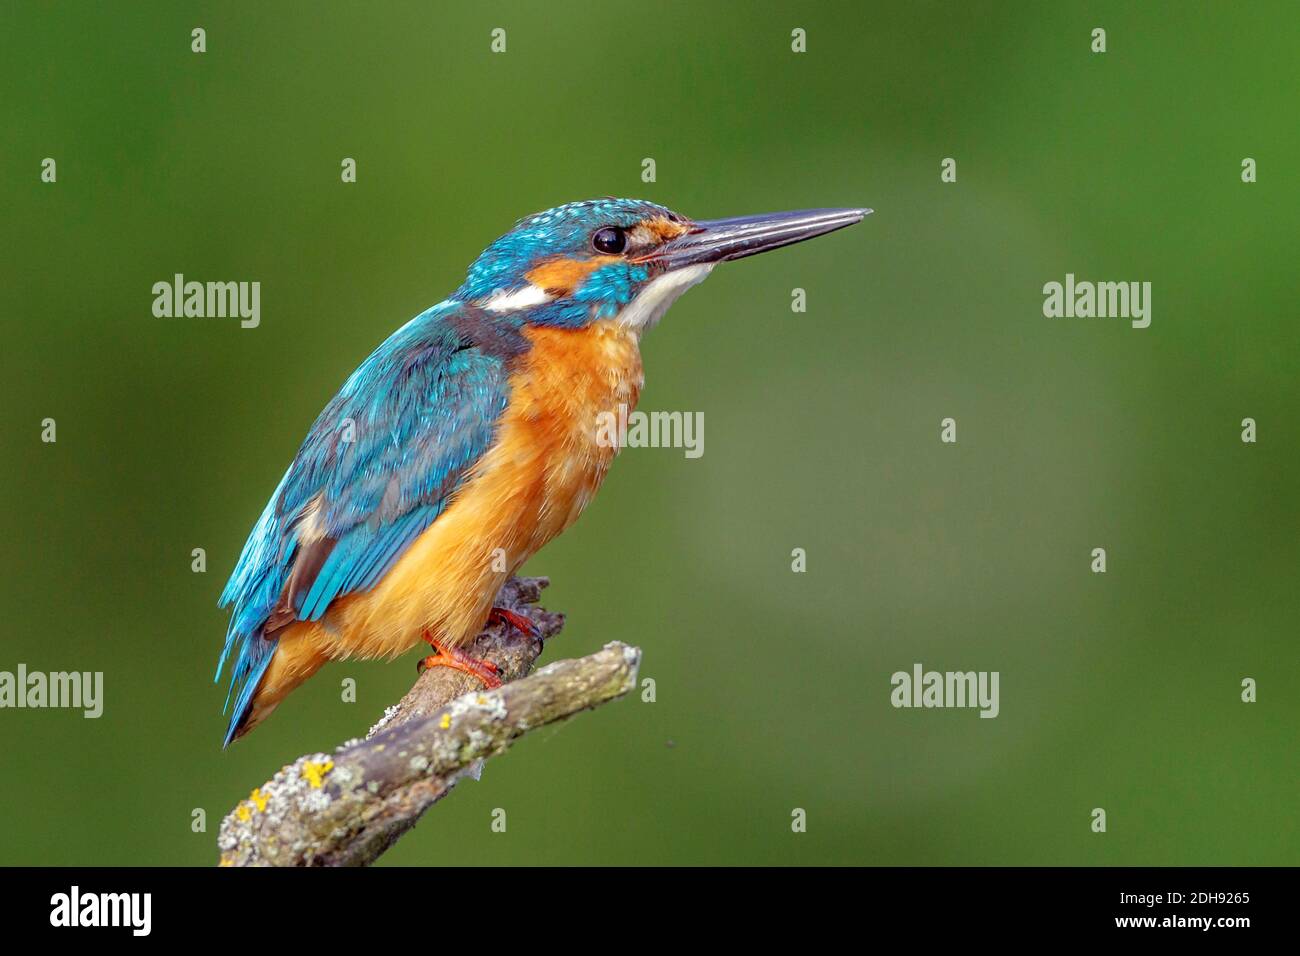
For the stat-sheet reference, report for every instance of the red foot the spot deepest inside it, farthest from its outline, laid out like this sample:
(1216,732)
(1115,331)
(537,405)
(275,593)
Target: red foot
(500,615)
(455,658)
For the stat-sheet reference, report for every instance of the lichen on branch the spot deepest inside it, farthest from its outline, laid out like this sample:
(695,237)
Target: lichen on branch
(348,807)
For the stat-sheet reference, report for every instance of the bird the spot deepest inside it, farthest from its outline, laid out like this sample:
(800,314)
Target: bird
(465,442)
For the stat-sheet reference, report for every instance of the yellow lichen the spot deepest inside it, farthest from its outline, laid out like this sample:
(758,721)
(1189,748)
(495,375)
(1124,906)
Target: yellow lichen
(445,722)
(314,773)
(243,812)
(257,798)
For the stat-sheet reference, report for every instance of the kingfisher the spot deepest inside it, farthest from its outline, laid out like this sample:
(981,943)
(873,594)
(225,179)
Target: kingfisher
(465,442)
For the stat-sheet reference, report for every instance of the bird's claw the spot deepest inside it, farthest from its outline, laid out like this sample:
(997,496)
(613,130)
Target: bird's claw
(447,656)
(501,615)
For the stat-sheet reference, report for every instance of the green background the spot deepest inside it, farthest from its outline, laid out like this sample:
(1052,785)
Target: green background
(1118,690)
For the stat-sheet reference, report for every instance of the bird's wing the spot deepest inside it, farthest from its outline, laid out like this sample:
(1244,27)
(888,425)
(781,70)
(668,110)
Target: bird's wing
(376,469)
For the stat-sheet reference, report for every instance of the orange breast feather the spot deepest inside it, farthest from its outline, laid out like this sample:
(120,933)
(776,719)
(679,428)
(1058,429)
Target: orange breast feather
(533,483)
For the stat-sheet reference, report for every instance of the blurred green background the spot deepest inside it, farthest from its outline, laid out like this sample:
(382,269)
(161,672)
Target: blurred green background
(1118,691)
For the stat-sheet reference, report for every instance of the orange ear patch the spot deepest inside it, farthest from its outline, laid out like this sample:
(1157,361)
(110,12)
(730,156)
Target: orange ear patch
(560,277)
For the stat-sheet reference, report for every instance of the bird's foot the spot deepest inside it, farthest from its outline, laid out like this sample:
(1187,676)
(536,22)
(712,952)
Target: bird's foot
(501,615)
(447,656)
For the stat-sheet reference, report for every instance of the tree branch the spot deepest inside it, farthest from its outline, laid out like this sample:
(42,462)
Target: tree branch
(346,808)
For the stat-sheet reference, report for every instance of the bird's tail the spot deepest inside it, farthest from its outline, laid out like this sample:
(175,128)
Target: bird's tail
(289,660)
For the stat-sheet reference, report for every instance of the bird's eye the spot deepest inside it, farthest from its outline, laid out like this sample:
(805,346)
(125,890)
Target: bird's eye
(611,240)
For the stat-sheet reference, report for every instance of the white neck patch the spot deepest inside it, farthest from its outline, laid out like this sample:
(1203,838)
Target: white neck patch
(503,300)
(649,307)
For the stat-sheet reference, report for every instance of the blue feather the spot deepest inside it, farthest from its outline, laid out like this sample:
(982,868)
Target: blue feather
(254,671)
(376,469)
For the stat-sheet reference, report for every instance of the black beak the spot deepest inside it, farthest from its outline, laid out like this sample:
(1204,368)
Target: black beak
(721,240)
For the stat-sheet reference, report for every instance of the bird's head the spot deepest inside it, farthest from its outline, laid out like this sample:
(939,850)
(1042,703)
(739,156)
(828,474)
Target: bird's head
(622,259)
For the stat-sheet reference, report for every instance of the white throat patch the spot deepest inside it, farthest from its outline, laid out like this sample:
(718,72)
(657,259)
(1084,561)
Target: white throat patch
(649,307)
